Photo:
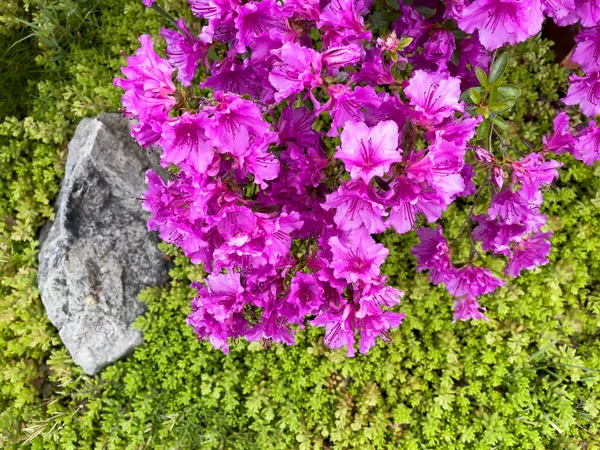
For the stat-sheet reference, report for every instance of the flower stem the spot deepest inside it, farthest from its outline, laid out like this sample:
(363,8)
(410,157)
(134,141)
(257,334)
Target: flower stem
(167,16)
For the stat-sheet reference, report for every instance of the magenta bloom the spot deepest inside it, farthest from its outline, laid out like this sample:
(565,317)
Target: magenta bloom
(148,3)
(587,51)
(148,85)
(502,21)
(585,92)
(468,308)
(232,76)
(587,146)
(529,254)
(559,9)
(337,57)
(434,96)
(472,281)
(212,9)
(356,257)
(339,327)
(255,18)
(373,70)
(562,140)
(304,9)
(297,68)
(184,142)
(373,326)
(513,208)
(533,172)
(369,152)
(373,297)
(236,119)
(216,310)
(439,47)
(341,323)
(408,201)
(295,126)
(306,294)
(184,52)
(433,254)
(341,22)
(357,205)
(348,105)
(496,236)
(223,296)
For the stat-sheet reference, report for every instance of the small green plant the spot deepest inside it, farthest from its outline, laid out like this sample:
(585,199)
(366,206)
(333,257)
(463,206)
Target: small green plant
(525,380)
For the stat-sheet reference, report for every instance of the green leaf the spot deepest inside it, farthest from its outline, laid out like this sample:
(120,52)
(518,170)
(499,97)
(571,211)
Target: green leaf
(499,122)
(393,4)
(483,130)
(465,96)
(427,13)
(382,19)
(509,91)
(484,112)
(481,76)
(496,107)
(404,42)
(498,67)
(475,96)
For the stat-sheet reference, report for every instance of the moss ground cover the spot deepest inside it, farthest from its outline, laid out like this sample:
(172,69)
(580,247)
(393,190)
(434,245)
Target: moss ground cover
(528,378)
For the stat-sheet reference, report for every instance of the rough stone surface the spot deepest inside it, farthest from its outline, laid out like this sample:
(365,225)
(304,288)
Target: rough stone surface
(97,255)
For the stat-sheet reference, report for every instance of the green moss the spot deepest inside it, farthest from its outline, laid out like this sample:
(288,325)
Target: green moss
(517,381)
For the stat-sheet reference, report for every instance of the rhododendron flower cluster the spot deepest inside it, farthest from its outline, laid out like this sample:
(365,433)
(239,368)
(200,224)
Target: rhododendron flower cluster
(301,129)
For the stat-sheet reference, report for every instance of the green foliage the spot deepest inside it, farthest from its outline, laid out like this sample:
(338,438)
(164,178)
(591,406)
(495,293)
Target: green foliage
(527,379)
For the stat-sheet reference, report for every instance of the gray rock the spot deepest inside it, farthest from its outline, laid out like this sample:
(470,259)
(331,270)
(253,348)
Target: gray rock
(97,255)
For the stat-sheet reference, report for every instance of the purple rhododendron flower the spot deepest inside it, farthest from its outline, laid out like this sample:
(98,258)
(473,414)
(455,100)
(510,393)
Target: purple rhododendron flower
(584,91)
(532,172)
(468,308)
(184,142)
(315,128)
(297,68)
(502,21)
(184,51)
(529,253)
(472,281)
(558,9)
(439,47)
(562,140)
(148,85)
(434,96)
(340,21)
(587,50)
(433,254)
(587,145)
(356,256)
(357,204)
(306,294)
(255,18)
(368,152)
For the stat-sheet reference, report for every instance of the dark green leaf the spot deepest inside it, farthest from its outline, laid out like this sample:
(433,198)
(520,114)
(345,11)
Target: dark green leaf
(499,122)
(404,42)
(483,130)
(481,76)
(427,13)
(509,91)
(498,67)
(382,19)
(393,4)
(475,96)
(496,107)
